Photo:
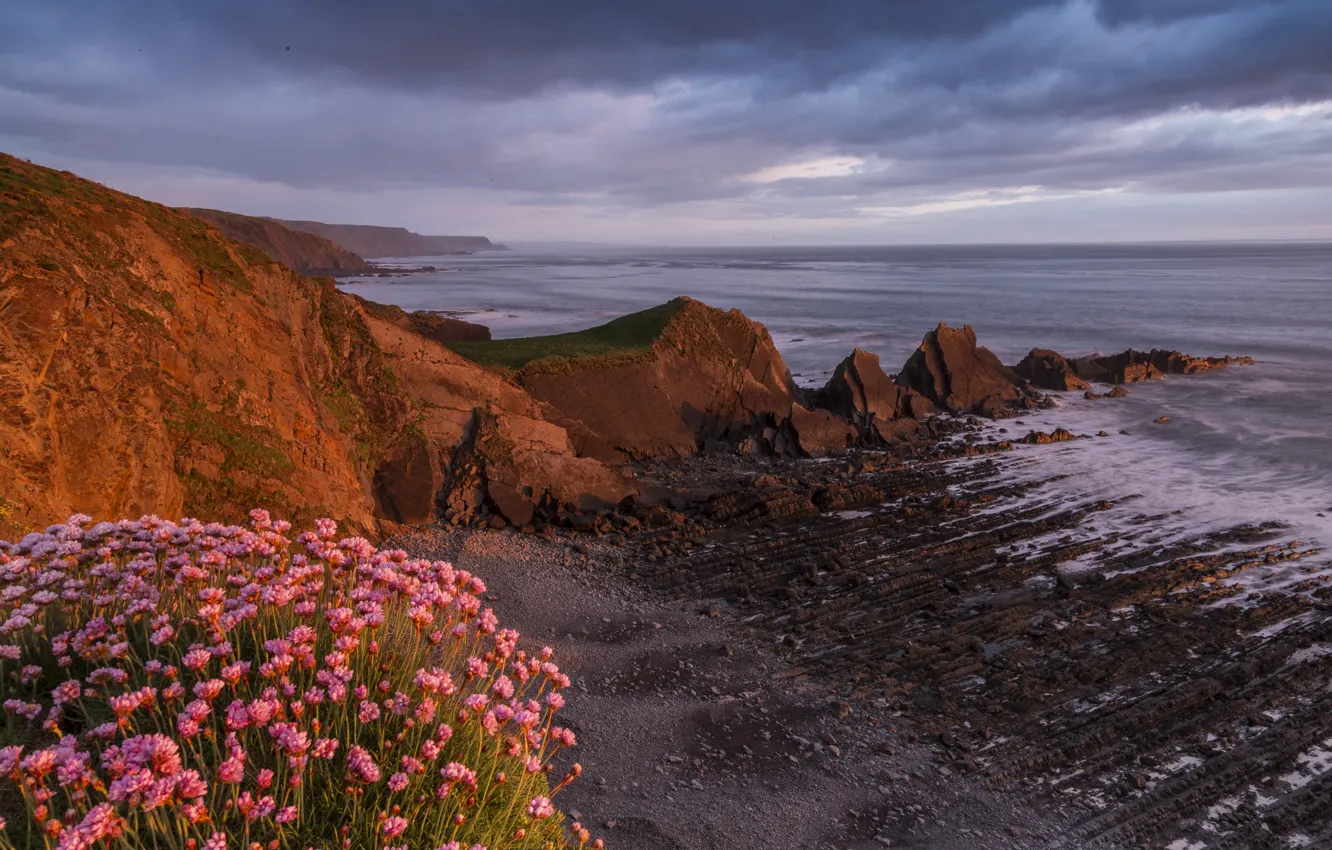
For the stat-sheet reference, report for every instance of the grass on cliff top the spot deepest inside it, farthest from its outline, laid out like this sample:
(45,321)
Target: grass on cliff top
(629,334)
(81,218)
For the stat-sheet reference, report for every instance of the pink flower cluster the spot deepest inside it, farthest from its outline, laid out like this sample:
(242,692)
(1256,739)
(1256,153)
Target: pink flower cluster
(236,688)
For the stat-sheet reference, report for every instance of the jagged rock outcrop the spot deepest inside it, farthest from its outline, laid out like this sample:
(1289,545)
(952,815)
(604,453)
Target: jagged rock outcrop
(708,378)
(1131,366)
(429,325)
(297,250)
(1048,370)
(498,450)
(957,375)
(860,392)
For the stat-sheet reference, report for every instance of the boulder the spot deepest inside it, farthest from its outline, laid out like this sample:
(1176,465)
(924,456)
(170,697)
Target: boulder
(819,432)
(405,485)
(1048,370)
(957,375)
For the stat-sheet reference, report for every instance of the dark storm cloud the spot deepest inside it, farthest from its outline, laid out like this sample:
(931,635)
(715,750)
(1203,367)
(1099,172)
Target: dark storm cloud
(655,102)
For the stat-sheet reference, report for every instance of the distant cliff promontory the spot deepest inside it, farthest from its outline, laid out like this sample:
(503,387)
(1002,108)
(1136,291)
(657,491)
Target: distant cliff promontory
(374,241)
(296,249)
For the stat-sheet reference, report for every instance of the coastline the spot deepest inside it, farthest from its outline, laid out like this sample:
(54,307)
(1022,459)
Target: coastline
(914,617)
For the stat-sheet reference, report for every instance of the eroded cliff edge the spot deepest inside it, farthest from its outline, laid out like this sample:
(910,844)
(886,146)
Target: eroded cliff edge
(149,364)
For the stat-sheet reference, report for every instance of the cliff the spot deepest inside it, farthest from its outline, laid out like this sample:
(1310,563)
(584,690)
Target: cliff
(297,250)
(667,382)
(148,365)
(374,241)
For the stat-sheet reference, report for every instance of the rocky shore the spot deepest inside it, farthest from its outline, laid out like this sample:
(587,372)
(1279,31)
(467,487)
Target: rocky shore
(884,653)
(821,617)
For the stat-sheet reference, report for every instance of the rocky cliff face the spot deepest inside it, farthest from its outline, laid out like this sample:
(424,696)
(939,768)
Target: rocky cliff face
(302,252)
(149,365)
(709,379)
(479,443)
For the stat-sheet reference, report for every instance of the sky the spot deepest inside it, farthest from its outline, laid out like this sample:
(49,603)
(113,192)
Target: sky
(695,122)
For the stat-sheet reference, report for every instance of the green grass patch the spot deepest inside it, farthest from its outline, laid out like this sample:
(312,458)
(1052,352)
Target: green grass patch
(627,335)
(248,448)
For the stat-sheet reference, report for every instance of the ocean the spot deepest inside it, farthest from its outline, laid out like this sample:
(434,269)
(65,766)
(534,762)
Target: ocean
(1243,446)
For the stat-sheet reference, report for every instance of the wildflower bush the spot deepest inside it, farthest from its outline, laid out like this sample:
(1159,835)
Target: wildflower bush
(206,687)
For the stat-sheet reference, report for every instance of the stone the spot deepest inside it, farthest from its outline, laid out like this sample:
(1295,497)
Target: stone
(819,432)
(859,388)
(405,485)
(951,371)
(1048,370)
(1132,366)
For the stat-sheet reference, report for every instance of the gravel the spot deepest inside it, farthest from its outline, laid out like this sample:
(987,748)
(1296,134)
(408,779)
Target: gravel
(692,736)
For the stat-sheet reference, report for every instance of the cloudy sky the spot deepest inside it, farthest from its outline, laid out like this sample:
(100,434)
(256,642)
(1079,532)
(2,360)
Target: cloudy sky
(695,121)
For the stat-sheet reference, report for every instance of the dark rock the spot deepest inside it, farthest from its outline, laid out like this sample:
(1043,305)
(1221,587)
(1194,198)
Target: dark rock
(1131,366)
(1048,370)
(1040,438)
(861,392)
(955,374)
(819,432)
(406,484)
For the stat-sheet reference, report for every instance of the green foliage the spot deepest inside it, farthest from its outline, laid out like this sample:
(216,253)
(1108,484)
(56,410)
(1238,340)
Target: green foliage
(88,213)
(627,335)
(247,448)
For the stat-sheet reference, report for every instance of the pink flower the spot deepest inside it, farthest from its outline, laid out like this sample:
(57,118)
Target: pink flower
(362,766)
(286,815)
(395,826)
(9,760)
(540,807)
(232,770)
(101,822)
(190,785)
(156,752)
(397,782)
(325,748)
(455,772)
(369,711)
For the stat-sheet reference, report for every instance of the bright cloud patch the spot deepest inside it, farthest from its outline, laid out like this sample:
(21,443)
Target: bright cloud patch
(830,166)
(981,198)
